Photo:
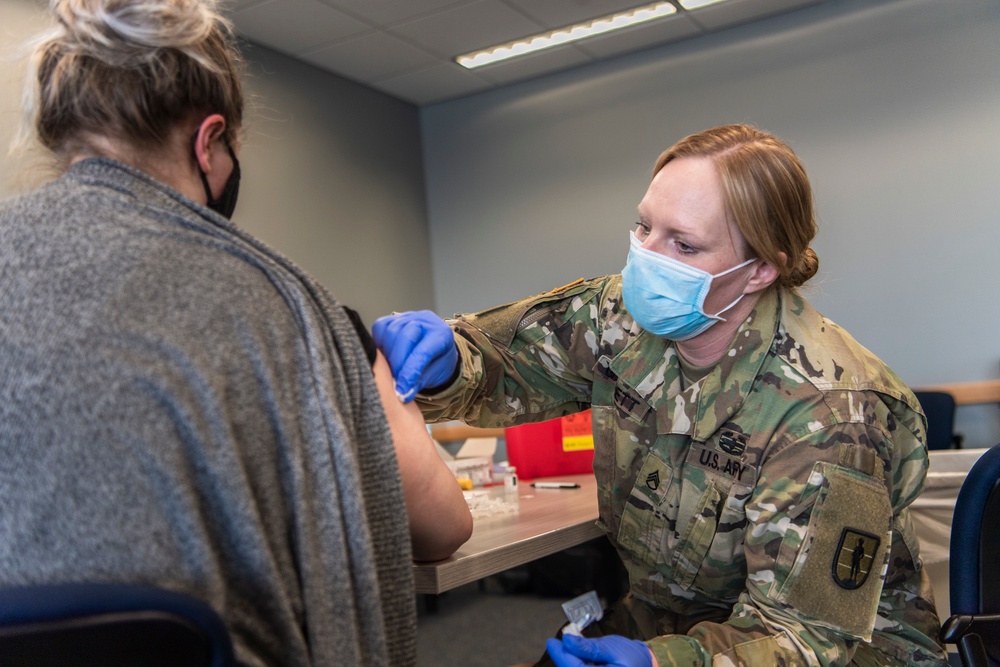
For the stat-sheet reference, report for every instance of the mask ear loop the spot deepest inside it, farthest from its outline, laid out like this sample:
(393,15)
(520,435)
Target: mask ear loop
(226,202)
(204,178)
(201,172)
(719,275)
(738,266)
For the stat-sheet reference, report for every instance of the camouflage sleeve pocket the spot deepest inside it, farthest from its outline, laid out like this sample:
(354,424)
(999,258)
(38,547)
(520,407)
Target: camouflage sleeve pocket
(508,323)
(840,559)
(500,323)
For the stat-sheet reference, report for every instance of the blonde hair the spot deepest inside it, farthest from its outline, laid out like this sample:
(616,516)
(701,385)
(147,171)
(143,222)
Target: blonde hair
(767,192)
(131,70)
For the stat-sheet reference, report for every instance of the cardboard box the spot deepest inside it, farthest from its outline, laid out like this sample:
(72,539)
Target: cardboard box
(474,460)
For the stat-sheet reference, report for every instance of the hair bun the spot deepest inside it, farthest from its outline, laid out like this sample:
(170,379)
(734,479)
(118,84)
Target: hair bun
(130,71)
(120,31)
(806,268)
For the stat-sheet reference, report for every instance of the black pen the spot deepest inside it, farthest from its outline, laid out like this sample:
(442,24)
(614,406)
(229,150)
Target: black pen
(555,485)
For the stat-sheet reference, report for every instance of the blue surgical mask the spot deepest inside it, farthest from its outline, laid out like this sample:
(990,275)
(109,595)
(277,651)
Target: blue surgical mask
(667,297)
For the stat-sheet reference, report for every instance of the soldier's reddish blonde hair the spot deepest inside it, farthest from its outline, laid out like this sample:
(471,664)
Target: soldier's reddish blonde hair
(767,192)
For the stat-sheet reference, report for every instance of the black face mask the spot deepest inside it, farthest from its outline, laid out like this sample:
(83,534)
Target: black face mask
(226,203)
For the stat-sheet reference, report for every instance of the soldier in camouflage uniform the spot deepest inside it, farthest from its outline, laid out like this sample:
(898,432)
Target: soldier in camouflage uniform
(759,503)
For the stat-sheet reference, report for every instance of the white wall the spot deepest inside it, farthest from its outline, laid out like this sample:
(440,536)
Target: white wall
(332,173)
(894,106)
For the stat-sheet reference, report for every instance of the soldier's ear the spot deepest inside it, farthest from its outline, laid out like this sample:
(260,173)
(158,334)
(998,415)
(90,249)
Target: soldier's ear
(764,275)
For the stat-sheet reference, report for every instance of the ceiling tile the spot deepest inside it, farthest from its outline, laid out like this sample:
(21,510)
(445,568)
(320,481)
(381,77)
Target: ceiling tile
(375,55)
(388,12)
(776,6)
(474,25)
(295,26)
(730,13)
(235,5)
(433,84)
(561,13)
(533,64)
(642,36)
(400,45)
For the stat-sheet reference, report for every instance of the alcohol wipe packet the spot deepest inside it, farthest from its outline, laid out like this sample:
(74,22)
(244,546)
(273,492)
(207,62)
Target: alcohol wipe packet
(581,612)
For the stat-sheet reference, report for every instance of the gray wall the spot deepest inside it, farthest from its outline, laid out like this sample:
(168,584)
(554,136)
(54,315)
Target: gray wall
(332,174)
(894,106)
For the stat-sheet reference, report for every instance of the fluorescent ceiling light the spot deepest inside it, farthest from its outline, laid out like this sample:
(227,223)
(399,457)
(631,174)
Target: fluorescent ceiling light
(695,4)
(568,34)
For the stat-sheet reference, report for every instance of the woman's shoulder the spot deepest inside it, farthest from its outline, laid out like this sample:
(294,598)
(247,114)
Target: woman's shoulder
(827,354)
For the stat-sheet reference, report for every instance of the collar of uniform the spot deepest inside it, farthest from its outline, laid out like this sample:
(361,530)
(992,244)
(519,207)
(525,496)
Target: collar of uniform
(702,409)
(645,363)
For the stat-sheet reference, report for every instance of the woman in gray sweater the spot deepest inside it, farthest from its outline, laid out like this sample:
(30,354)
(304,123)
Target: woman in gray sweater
(179,405)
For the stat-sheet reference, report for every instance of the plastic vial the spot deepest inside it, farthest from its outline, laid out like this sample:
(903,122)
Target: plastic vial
(510,490)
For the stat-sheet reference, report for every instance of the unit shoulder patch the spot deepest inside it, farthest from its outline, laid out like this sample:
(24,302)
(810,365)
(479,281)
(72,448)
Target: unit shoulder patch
(854,558)
(841,561)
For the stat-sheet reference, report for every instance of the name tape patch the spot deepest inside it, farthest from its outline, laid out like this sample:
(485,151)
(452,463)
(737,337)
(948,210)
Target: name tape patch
(721,463)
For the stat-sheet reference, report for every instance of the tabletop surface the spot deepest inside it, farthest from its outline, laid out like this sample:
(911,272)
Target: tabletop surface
(548,521)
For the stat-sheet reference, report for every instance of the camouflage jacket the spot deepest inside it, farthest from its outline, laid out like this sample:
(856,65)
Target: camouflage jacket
(772,493)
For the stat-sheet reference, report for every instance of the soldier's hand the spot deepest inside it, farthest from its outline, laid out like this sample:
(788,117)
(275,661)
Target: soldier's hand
(420,349)
(612,650)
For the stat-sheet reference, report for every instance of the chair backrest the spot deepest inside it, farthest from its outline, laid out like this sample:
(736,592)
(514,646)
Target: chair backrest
(974,564)
(109,625)
(975,536)
(939,407)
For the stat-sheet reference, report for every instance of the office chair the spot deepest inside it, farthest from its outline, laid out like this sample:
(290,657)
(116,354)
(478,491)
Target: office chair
(974,566)
(109,625)
(939,407)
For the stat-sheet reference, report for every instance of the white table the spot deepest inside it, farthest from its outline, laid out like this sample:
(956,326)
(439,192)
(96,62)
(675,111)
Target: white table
(548,521)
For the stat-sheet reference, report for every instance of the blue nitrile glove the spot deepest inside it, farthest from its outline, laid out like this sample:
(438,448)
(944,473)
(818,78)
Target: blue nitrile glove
(612,650)
(420,349)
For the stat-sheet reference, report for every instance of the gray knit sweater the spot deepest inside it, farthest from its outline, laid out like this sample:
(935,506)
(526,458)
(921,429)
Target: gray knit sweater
(179,405)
